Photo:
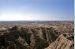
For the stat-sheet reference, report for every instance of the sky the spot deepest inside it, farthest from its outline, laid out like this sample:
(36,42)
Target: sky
(45,10)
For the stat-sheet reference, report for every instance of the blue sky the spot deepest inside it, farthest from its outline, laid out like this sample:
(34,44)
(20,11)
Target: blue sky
(12,10)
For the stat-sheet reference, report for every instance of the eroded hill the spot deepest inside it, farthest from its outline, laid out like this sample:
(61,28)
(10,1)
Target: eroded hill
(35,38)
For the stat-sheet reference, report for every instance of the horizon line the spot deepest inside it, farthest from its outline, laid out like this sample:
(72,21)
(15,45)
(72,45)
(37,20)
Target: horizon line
(35,20)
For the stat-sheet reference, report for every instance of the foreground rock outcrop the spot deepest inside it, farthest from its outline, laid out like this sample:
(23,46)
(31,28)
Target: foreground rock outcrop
(34,38)
(61,43)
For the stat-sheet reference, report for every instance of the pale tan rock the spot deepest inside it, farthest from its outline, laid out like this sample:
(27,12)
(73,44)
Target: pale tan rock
(60,43)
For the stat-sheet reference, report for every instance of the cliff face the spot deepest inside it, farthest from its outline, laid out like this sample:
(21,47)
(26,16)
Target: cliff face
(34,38)
(61,43)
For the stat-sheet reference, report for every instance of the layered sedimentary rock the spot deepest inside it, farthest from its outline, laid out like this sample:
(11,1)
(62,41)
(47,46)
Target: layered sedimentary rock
(62,42)
(34,38)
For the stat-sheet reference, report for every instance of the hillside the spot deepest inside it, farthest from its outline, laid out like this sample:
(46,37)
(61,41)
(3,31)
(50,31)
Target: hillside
(36,36)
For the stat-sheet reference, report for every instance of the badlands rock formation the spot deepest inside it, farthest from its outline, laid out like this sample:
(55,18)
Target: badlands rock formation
(62,43)
(34,38)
